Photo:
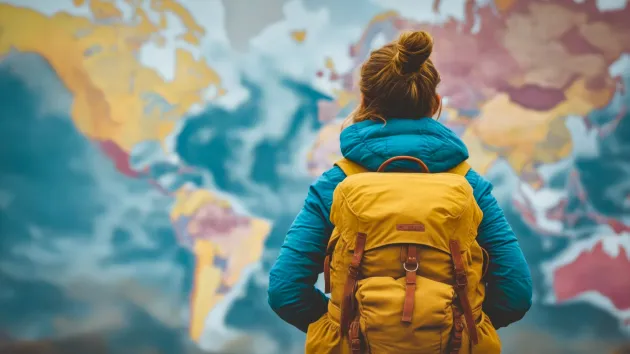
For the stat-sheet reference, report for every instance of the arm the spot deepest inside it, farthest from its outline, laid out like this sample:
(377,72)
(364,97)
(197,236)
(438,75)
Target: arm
(509,282)
(292,294)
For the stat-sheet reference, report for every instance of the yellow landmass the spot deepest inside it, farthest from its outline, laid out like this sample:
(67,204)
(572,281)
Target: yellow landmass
(98,64)
(383,16)
(188,201)
(521,135)
(194,30)
(344,97)
(298,36)
(504,5)
(209,278)
(480,158)
(103,10)
(329,63)
(240,256)
(207,281)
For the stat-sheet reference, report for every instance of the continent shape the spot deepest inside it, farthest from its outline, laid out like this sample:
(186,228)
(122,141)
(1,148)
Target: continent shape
(215,232)
(116,98)
(526,137)
(591,270)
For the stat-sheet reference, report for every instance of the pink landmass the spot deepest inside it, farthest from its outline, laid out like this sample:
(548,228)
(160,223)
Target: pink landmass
(214,221)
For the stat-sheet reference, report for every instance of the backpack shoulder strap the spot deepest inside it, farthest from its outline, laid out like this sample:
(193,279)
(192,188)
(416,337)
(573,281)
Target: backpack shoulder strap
(350,168)
(461,169)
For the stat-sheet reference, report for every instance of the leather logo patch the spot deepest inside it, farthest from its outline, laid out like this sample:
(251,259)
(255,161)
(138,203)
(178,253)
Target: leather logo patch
(410,227)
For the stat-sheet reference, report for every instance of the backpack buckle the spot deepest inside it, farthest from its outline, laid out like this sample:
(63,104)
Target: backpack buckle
(410,267)
(355,346)
(354,335)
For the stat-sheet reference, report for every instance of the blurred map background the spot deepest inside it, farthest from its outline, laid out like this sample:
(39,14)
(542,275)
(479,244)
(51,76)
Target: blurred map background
(154,152)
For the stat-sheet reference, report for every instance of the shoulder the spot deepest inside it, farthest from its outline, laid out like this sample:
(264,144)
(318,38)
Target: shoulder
(482,191)
(481,186)
(325,185)
(333,175)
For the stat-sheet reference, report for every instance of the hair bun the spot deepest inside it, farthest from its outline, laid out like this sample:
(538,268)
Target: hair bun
(413,50)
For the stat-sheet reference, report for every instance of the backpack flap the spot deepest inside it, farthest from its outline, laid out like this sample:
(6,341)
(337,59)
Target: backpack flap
(404,208)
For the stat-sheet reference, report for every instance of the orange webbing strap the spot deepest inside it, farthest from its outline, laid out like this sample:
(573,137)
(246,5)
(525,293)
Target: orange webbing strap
(348,305)
(411,267)
(461,283)
(327,274)
(354,336)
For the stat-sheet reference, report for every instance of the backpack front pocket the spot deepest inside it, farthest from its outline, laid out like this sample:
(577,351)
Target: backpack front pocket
(381,301)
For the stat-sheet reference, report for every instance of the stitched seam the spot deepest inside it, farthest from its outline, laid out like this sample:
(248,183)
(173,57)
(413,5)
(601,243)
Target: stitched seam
(466,206)
(455,229)
(369,148)
(345,199)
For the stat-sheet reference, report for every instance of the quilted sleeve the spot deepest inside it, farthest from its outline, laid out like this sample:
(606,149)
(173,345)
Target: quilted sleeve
(292,294)
(509,282)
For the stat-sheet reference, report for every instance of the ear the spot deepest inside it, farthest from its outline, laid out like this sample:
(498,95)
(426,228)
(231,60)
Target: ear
(438,109)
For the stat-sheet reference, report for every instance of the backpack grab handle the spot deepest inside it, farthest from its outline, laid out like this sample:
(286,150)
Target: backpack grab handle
(422,165)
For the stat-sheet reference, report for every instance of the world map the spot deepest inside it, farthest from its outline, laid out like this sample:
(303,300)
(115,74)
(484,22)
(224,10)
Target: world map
(155,152)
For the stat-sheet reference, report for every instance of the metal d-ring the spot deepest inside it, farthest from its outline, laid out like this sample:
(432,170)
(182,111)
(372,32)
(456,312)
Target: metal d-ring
(410,270)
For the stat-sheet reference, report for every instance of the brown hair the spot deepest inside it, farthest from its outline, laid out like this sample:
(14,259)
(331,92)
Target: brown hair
(399,80)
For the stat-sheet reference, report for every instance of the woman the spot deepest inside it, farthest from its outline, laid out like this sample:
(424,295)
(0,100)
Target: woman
(398,88)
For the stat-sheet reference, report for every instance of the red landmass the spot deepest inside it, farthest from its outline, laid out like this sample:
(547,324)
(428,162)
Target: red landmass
(595,271)
(535,97)
(119,157)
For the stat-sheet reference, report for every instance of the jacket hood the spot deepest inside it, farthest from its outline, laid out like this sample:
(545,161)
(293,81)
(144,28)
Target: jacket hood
(370,143)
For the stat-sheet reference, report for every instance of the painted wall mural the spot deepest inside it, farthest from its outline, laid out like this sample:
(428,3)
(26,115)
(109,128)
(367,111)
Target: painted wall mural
(154,153)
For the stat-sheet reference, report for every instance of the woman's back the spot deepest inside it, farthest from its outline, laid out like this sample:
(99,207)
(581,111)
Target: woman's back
(398,85)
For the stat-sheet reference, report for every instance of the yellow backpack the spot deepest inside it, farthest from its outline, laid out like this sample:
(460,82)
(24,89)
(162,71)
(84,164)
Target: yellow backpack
(403,267)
